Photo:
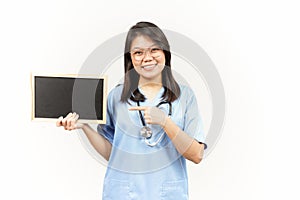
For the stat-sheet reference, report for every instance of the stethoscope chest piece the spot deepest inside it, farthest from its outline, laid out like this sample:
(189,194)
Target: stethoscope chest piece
(146,132)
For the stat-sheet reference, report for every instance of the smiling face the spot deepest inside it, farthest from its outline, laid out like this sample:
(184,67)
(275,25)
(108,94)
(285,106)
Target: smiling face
(148,59)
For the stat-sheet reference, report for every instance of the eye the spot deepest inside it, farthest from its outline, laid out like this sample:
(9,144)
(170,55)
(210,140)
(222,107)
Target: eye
(155,49)
(138,52)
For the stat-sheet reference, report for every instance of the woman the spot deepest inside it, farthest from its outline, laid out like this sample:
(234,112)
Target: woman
(153,124)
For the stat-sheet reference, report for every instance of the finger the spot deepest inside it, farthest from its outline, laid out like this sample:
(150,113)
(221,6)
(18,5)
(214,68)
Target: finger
(147,112)
(138,108)
(58,122)
(70,119)
(74,121)
(76,117)
(148,121)
(66,118)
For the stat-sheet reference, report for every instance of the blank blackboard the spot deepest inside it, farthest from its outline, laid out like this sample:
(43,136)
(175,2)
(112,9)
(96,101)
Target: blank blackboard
(55,96)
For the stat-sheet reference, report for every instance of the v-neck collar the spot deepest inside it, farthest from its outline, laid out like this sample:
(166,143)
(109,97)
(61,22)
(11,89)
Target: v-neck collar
(157,96)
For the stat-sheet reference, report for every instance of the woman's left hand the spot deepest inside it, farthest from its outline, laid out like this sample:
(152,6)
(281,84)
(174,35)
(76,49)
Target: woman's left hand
(152,115)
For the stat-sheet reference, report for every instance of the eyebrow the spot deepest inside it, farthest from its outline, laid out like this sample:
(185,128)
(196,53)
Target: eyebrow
(144,47)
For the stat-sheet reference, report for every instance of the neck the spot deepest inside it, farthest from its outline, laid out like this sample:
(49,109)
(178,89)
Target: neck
(150,89)
(150,86)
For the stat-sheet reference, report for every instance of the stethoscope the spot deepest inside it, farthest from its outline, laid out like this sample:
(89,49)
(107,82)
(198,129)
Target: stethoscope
(146,131)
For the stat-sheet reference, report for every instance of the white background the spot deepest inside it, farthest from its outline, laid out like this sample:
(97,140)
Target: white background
(254,45)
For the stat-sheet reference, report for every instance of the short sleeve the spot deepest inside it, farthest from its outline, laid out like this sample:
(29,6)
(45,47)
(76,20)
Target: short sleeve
(107,130)
(193,124)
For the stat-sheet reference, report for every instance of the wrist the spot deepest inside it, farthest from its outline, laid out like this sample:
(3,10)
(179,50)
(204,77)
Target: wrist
(165,122)
(84,126)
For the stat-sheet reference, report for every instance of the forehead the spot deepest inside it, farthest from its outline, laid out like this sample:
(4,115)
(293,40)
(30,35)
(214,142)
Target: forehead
(142,42)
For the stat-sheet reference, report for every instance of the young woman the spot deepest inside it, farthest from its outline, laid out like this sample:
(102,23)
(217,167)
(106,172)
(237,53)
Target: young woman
(153,124)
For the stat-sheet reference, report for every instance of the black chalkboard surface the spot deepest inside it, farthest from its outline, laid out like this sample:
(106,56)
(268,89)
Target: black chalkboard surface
(55,96)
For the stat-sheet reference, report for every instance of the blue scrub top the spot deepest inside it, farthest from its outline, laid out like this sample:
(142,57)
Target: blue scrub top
(136,170)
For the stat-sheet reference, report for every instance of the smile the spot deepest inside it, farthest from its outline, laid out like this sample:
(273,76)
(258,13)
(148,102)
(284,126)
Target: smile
(149,67)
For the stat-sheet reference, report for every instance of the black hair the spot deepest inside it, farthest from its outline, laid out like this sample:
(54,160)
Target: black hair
(131,80)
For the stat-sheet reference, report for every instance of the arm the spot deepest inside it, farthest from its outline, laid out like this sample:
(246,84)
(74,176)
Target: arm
(101,144)
(185,145)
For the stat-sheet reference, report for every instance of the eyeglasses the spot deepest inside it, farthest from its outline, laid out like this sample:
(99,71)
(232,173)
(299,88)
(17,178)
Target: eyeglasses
(139,54)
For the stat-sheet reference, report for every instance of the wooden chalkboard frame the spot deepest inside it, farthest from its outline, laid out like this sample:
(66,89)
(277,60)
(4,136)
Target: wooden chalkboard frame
(77,76)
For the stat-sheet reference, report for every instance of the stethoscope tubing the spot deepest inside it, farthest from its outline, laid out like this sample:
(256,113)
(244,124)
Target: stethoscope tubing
(159,104)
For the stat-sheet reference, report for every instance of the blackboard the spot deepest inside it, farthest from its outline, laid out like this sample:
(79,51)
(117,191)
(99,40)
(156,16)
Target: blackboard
(55,96)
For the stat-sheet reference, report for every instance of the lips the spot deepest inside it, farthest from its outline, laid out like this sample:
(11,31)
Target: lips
(149,67)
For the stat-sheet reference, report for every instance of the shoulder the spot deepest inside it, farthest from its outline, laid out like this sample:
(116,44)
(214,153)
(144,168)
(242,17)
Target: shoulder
(117,89)
(185,90)
(116,92)
(113,98)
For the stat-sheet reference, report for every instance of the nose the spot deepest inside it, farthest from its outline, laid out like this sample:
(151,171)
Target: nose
(148,56)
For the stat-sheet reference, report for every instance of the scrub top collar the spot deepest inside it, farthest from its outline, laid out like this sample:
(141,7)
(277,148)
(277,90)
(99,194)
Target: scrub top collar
(157,96)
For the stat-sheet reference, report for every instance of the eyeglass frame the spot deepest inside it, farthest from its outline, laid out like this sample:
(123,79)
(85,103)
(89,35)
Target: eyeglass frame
(145,50)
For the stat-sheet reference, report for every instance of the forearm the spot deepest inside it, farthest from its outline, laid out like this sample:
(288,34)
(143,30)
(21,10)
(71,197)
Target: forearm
(102,145)
(185,145)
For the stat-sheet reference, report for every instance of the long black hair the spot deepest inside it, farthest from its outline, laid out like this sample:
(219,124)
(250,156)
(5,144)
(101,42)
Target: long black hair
(131,80)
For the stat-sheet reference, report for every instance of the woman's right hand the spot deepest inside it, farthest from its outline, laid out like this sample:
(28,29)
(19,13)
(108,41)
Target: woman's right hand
(70,122)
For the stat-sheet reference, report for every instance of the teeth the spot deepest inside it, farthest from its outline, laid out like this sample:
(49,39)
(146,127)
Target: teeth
(148,66)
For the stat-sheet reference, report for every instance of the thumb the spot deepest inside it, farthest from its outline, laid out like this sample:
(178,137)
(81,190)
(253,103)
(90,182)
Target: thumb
(58,122)
(78,125)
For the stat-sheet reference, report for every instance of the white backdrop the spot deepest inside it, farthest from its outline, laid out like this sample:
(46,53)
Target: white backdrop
(254,45)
